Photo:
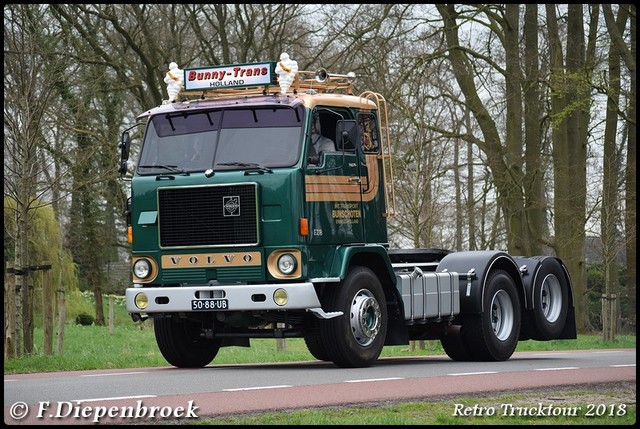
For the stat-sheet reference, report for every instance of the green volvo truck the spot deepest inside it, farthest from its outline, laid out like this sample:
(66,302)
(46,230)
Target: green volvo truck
(240,228)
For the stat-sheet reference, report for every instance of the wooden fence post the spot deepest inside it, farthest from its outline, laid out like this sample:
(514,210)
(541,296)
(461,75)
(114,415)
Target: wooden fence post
(111,315)
(281,343)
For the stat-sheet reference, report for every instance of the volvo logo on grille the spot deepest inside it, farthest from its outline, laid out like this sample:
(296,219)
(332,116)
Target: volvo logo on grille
(231,206)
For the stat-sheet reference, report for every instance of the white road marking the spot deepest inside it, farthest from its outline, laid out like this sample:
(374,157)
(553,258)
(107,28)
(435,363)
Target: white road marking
(374,379)
(113,373)
(255,388)
(556,369)
(116,398)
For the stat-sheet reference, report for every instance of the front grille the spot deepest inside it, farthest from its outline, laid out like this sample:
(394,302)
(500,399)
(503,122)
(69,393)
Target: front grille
(219,215)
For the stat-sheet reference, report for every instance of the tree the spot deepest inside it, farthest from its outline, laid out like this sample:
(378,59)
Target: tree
(619,51)
(45,245)
(504,154)
(32,70)
(570,82)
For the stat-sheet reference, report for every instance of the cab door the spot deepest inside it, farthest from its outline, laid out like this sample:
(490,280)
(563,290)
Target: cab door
(333,193)
(370,164)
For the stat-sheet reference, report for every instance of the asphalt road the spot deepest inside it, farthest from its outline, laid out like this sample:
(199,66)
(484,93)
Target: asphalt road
(134,395)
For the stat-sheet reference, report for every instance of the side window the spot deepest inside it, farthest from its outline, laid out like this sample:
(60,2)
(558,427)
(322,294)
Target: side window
(323,132)
(368,133)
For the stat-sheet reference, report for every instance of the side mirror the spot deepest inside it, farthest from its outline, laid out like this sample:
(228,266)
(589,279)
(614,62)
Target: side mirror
(125,145)
(346,134)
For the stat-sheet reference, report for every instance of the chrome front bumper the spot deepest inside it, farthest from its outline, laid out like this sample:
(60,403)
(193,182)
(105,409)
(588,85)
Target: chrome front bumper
(301,296)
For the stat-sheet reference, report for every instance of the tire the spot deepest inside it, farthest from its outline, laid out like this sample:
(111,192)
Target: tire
(493,334)
(356,339)
(550,302)
(316,347)
(180,343)
(454,345)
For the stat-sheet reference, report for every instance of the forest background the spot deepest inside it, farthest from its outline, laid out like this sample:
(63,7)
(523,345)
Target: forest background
(513,128)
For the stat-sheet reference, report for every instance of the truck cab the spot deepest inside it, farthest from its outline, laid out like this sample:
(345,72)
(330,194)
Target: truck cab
(237,224)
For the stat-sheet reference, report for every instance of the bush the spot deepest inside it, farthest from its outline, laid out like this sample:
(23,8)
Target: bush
(85,319)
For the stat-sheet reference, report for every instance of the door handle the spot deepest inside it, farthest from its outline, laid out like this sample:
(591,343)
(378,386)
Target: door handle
(355,179)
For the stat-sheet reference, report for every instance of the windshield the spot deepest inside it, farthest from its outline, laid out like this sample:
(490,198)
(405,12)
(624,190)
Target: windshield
(222,139)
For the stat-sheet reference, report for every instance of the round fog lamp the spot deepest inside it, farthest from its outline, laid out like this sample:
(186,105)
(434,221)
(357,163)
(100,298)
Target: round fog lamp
(280,297)
(287,263)
(141,301)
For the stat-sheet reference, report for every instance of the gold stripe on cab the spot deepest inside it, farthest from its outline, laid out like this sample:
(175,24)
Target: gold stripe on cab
(344,188)
(240,259)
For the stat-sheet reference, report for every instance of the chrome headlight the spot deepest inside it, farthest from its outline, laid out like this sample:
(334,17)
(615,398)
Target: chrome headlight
(142,268)
(287,263)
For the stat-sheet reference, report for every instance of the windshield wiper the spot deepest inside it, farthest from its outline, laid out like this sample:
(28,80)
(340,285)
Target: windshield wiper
(171,168)
(255,168)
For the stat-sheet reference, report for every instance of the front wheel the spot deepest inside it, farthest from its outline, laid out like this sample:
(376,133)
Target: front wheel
(180,342)
(356,339)
(316,347)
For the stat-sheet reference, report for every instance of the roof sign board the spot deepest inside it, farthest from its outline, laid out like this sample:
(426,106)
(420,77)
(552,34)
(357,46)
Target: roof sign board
(229,76)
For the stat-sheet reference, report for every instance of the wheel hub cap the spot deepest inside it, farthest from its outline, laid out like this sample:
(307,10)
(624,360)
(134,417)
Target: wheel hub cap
(365,318)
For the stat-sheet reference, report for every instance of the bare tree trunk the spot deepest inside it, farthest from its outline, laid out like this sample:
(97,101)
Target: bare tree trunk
(62,318)
(23,283)
(628,55)
(533,181)
(48,301)
(631,190)
(9,312)
(611,167)
(470,209)
(569,87)
(28,325)
(458,197)
(517,231)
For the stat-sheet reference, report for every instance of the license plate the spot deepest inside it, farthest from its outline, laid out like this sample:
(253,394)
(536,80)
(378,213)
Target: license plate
(209,304)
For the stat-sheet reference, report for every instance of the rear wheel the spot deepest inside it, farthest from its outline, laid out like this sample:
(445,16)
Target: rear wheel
(180,342)
(356,338)
(454,345)
(550,301)
(493,334)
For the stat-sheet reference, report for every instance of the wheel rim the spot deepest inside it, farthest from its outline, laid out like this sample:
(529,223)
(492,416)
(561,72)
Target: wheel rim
(551,298)
(502,315)
(365,317)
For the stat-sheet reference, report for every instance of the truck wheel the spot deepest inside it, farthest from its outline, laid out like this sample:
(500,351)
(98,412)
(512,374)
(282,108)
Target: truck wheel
(316,347)
(180,343)
(493,334)
(454,345)
(550,301)
(355,339)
